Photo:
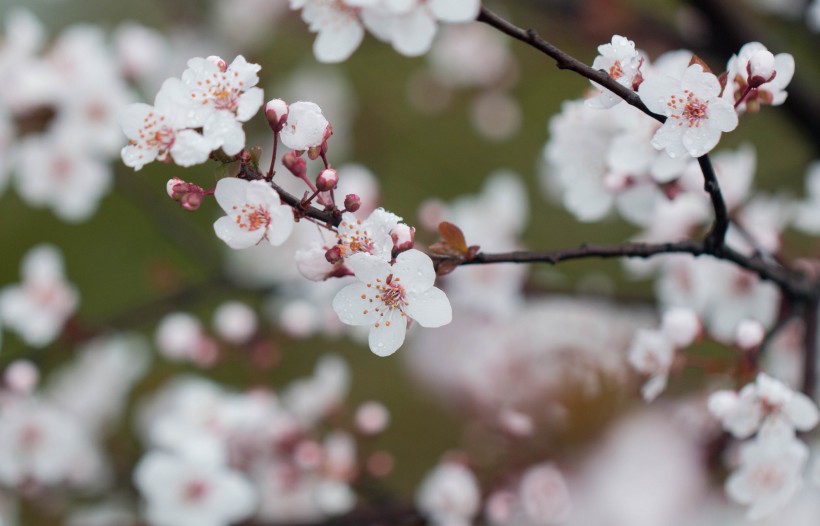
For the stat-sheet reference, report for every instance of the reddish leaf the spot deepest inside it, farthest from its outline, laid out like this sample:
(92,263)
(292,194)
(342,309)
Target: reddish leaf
(453,236)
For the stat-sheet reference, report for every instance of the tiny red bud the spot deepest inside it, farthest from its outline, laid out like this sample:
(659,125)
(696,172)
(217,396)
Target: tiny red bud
(191,201)
(334,254)
(352,202)
(403,237)
(326,180)
(295,164)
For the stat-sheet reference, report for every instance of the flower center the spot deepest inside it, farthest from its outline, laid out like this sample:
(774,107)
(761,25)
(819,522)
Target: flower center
(392,296)
(352,237)
(252,217)
(154,133)
(693,111)
(616,71)
(219,90)
(194,491)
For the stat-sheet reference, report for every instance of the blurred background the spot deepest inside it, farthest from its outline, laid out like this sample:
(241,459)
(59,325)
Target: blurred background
(418,129)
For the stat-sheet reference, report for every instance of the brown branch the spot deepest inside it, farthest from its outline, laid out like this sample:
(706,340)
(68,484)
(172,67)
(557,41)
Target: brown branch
(563,60)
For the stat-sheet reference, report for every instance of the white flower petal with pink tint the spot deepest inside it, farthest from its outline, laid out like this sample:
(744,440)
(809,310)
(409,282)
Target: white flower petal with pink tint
(544,495)
(449,495)
(770,473)
(696,116)
(389,295)
(371,235)
(255,212)
(621,61)
(768,406)
(305,128)
(772,92)
(232,90)
(183,492)
(39,306)
(652,353)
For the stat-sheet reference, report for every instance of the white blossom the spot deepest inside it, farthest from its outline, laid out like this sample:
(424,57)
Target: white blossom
(622,63)
(449,495)
(695,114)
(388,296)
(254,212)
(306,127)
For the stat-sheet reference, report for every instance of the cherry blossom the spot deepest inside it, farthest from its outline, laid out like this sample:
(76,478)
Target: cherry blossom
(622,62)
(39,306)
(770,473)
(370,236)
(182,492)
(652,353)
(161,132)
(337,23)
(388,296)
(756,77)
(255,212)
(235,322)
(766,405)
(306,127)
(222,97)
(449,495)
(696,115)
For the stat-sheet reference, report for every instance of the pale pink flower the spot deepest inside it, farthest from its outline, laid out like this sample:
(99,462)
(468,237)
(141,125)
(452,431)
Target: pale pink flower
(695,113)
(372,418)
(370,236)
(743,66)
(652,354)
(338,25)
(770,473)
(544,496)
(183,492)
(388,296)
(449,495)
(39,306)
(767,405)
(255,212)
(235,322)
(622,63)
(161,132)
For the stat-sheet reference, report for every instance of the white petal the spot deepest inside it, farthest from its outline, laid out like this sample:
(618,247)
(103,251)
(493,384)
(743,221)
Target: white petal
(235,237)
(224,131)
(336,43)
(413,34)
(385,339)
(802,411)
(136,158)
(230,192)
(430,308)
(281,226)
(249,104)
(191,148)
(368,268)
(455,11)
(415,268)
(353,305)
(656,90)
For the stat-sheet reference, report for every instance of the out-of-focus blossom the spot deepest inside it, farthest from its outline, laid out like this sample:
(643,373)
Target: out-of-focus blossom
(449,495)
(182,492)
(181,337)
(767,406)
(652,353)
(39,306)
(235,322)
(770,473)
(807,217)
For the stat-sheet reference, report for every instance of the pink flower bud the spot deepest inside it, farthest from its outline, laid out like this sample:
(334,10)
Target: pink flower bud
(334,254)
(191,201)
(295,164)
(403,237)
(175,188)
(352,202)
(327,180)
(760,68)
(276,111)
(749,334)
(219,61)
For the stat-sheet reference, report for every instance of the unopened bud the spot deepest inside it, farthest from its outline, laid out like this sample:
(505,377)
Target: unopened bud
(352,202)
(403,237)
(295,164)
(334,254)
(750,334)
(326,180)
(191,201)
(219,61)
(188,195)
(760,68)
(276,111)
(175,188)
